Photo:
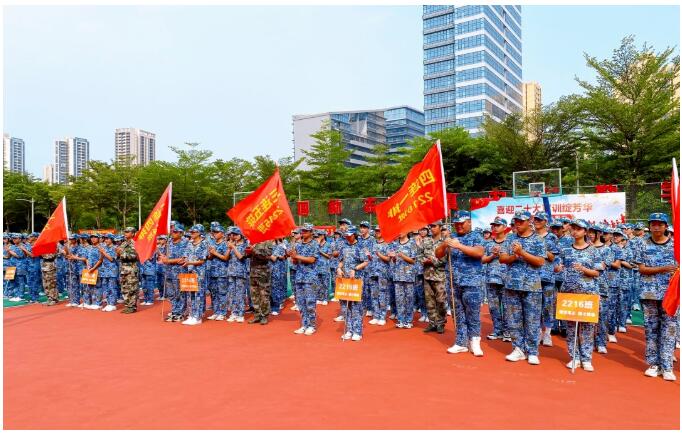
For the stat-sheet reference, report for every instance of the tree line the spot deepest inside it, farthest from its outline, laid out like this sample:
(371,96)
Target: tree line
(624,127)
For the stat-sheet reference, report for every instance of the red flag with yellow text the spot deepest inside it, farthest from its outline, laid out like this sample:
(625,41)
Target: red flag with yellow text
(420,201)
(55,229)
(671,300)
(157,223)
(264,214)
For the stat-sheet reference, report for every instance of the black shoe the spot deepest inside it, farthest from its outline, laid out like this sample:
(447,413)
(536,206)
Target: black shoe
(263,320)
(170,318)
(177,318)
(128,310)
(440,329)
(430,328)
(249,310)
(254,320)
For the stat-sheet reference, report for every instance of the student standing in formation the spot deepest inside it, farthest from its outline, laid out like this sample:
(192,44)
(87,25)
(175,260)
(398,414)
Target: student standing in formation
(595,233)
(434,278)
(324,276)
(540,221)
(304,254)
(657,262)
(524,255)
(351,261)
(217,274)
(174,259)
(495,274)
(379,277)
(404,254)
(581,263)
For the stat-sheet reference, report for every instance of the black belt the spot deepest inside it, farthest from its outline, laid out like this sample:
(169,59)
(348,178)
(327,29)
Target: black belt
(48,260)
(128,262)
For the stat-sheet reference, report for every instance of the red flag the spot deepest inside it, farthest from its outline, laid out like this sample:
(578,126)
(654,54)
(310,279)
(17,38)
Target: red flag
(264,214)
(420,201)
(157,223)
(671,300)
(55,230)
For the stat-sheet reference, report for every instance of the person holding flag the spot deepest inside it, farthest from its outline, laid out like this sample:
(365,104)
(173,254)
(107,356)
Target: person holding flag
(656,264)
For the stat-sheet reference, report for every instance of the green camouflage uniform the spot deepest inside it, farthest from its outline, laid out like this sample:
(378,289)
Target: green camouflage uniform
(434,281)
(129,280)
(48,267)
(261,277)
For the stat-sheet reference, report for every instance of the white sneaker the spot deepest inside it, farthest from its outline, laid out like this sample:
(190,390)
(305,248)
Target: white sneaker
(669,376)
(220,318)
(339,318)
(547,339)
(399,325)
(211,317)
(533,360)
(601,350)
(94,307)
(109,308)
(294,307)
(457,349)
(569,365)
(274,313)
(82,305)
(369,313)
(188,321)
(334,299)
(628,321)
(300,331)
(346,335)
(239,319)
(318,302)
(423,318)
(309,331)
(356,337)
(677,345)
(587,366)
(612,338)
(232,318)
(120,301)
(69,304)
(381,322)
(516,355)
(324,302)
(448,313)
(652,371)
(407,325)
(622,330)
(392,316)
(476,346)
(372,321)
(192,321)
(291,297)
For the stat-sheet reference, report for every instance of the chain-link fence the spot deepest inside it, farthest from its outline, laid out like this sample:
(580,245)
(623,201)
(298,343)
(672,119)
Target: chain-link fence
(641,200)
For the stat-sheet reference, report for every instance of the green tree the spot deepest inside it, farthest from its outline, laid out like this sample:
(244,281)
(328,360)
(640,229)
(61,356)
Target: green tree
(381,177)
(327,176)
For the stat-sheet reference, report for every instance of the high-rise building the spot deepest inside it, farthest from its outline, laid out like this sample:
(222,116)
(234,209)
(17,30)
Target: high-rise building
(71,157)
(48,173)
(135,145)
(362,131)
(532,97)
(403,123)
(472,65)
(13,154)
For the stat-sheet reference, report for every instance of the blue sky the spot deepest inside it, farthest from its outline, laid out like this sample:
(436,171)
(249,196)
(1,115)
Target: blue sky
(231,77)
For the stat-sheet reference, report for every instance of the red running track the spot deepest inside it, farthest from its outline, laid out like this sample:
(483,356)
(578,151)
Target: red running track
(66,368)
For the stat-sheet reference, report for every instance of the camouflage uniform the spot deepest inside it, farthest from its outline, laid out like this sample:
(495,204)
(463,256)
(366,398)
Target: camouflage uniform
(523,294)
(365,245)
(49,272)
(547,279)
(379,271)
(434,281)
(323,272)
(34,281)
(660,328)
(197,300)
(578,283)
(237,275)
(468,281)
(217,279)
(261,279)
(108,275)
(175,250)
(404,274)
(129,281)
(279,277)
(495,275)
(606,255)
(351,256)
(306,275)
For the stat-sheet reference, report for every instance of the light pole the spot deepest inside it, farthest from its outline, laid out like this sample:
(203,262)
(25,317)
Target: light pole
(32,202)
(139,206)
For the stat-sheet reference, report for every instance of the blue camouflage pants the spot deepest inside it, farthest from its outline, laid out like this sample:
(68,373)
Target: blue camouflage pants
(366,295)
(148,283)
(236,294)
(61,279)
(353,316)
(322,285)
(585,340)
(279,289)
(379,292)
(548,304)
(332,286)
(495,305)
(306,298)
(522,311)
(623,305)
(218,289)
(197,300)
(160,281)
(391,297)
(35,285)
(419,299)
(18,285)
(468,301)
(611,310)
(404,300)
(660,331)
(602,326)
(92,294)
(108,285)
(173,293)
(73,287)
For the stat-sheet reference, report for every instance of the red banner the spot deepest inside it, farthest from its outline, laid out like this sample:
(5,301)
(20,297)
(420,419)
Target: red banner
(264,214)
(671,300)
(303,208)
(55,230)
(420,201)
(157,223)
(334,207)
